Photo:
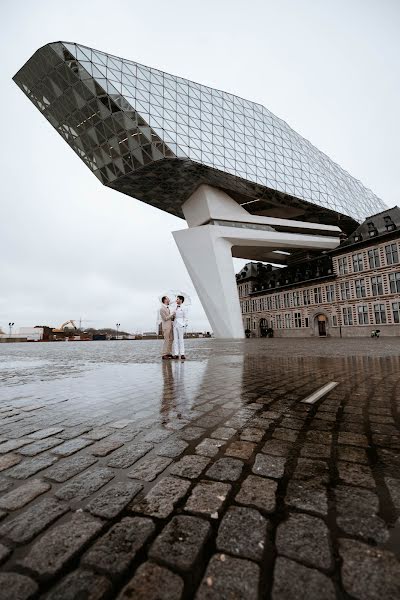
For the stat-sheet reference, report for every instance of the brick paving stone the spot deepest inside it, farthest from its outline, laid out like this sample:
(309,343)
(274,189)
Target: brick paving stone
(309,450)
(225,469)
(292,423)
(393,486)
(209,447)
(269,466)
(121,424)
(240,449)
(352,439)
(319,437)
(65,469)
(112,501)
(23,587)
(172,448)
(352,454)
(305,539)
(208,421)
(190,466)
(308,469)
(307,495)
(181,542)
(157,435)
(252,434)
(208,497)
(229,578)
(293,581)
(223,433)
(40,446)
(357,510)
(150,468)
(258,492)
(277,447)
(152,582)
(9,460)
(29,523)
(85,484)
(286,435)
(57,547)
(5,484)
(81,584)
(162,498)
(191,433)
(72,432)
(11,445)
(104,447)
(44,433)
(22,495)
(355,474)
(242,533)
(123,436)
(114,553)
(126,456)
(31,466)
(4,553)
(71,446)
(98,433)
(369,573)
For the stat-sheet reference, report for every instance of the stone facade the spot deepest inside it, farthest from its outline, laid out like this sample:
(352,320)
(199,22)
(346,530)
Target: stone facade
(347,292)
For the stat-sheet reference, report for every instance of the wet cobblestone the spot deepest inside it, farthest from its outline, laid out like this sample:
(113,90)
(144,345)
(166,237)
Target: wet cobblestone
(124,477)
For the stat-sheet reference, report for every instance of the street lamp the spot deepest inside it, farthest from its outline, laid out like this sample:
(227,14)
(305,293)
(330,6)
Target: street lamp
(11,325)
(117,325)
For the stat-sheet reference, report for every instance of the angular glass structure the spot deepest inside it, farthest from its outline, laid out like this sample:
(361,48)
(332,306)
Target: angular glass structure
(158,137)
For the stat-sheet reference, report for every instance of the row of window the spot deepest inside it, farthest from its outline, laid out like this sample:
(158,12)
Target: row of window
(357,260)
(315,295)
(359,316)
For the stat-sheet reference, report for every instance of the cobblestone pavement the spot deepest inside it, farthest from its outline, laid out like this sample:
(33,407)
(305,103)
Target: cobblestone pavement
(126,477)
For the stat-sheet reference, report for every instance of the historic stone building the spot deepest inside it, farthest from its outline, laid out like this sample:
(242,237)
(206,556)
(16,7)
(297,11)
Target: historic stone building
(346,292)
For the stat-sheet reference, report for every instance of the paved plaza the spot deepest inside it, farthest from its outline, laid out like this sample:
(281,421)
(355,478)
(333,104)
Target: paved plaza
(126,477)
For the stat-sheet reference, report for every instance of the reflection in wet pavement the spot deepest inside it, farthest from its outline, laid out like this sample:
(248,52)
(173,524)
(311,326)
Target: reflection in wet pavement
(210,478)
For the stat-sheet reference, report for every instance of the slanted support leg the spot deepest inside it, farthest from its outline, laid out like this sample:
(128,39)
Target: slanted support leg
(208,259)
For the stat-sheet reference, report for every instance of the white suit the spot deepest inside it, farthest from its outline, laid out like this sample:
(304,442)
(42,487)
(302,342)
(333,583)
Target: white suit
(180,324)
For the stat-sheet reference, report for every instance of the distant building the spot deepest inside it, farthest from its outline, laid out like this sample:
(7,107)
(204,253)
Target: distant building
(346,292)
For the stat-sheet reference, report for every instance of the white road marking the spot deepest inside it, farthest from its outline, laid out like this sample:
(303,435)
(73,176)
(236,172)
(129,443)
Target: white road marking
(321,392)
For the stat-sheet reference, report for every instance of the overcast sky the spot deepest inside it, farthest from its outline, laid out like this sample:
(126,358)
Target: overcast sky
(69,247)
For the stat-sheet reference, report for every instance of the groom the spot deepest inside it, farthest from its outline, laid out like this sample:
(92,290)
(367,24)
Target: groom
(167,318)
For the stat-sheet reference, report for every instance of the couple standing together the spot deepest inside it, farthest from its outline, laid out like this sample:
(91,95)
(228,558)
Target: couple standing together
(174,325)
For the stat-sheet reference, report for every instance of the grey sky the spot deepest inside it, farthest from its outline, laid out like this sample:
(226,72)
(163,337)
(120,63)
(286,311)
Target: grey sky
(71,248)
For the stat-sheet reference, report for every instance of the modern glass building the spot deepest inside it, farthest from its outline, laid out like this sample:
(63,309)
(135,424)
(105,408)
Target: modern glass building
(157,137)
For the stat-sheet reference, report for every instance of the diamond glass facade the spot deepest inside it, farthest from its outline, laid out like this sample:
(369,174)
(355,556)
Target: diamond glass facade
(156,137)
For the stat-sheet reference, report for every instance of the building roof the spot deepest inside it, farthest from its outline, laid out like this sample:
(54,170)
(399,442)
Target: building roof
(380,224)
(157,137)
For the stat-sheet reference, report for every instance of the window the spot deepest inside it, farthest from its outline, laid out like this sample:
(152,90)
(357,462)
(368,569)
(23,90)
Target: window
(358,262)
(296,299)
(380,313)
(394,280)
(248,323)
(306,297)
(277,301)
(330,293)
(377,286)
(345,292)
(279,321)
(360,288)
(362,311)
(287,321)
(306,322)
(254,324)
(334,320)
(373,258)
(286,300)
(347,315)
(342,264)
(392,255)
(317,295)
(297,319)
(396,312)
